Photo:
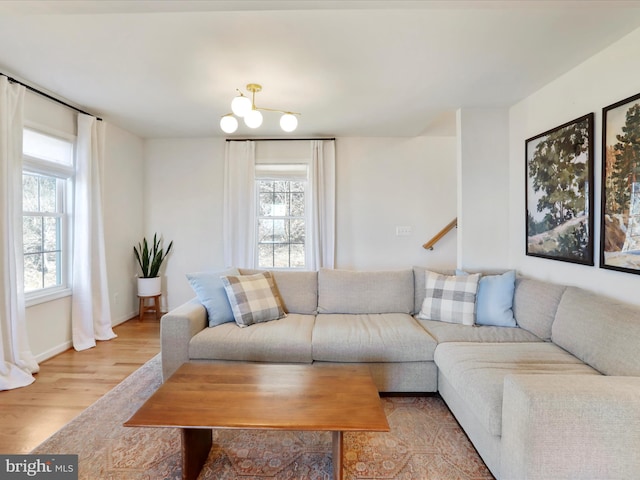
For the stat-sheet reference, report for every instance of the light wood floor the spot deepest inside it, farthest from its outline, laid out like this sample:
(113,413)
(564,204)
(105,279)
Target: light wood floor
(70,382)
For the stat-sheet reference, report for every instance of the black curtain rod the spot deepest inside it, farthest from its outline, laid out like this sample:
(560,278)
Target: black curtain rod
(274,139)
(46,95)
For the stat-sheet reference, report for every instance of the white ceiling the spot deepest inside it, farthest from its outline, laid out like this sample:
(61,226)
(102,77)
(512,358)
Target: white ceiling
(352,68)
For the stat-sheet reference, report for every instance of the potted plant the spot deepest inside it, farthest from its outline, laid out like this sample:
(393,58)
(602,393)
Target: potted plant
(150,261)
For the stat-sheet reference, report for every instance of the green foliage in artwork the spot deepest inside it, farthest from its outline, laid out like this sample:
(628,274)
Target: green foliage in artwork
(535,227)
(569,241)
(560,179)
(623,163)
(573,243)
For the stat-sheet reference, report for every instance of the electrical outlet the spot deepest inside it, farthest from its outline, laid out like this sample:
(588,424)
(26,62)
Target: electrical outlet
(403,231)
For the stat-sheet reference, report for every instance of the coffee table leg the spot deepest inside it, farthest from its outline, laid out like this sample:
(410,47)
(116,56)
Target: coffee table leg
(196,445)
(337,455)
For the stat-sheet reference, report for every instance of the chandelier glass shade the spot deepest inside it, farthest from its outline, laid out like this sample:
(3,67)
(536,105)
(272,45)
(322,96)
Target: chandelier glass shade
(241,105)
(288,122)
(245,108)
(253,119)
(228,124)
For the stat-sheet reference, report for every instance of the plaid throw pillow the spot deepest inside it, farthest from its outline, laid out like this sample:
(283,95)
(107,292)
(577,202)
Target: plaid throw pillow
(253,298)
(450,298)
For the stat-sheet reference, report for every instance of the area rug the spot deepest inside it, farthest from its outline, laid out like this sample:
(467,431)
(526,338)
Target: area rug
(425,443)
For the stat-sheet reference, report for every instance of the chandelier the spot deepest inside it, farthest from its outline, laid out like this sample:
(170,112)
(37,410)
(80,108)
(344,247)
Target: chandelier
(246,108)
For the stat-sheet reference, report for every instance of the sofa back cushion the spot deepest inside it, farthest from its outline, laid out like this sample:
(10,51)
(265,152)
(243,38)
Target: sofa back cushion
(298,289)
(535,304)
(602,332)
(345,291)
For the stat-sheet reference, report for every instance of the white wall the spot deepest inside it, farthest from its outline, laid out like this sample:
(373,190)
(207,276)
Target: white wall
(381,183)
(123,203)
(483,188)
(49,328)
(384,183)
(184,181)
(49,324)
(611,75)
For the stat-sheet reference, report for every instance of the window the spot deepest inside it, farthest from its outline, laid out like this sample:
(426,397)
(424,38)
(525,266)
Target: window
(47,170)
(42,227)
(281,222)
(277,208)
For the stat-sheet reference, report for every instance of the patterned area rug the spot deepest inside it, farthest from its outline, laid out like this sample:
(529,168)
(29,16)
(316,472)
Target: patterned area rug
(425,443)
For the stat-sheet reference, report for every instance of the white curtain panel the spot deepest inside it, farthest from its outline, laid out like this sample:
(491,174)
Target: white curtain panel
(239,230)
(17,363)
(90,310)
(322,231)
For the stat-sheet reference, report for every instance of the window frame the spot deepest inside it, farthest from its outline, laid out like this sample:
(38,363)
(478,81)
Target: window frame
(285,176)
(64,176)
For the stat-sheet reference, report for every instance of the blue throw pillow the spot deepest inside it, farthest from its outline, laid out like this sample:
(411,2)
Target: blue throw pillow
(211,293)
(495,300)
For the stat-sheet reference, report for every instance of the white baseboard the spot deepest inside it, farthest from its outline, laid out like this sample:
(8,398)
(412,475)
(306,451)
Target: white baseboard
(54,351)
(124,318)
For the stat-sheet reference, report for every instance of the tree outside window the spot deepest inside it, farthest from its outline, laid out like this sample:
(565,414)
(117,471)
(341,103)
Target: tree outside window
(281,224)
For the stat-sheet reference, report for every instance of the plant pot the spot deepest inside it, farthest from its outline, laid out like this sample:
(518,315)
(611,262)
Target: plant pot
(149,287)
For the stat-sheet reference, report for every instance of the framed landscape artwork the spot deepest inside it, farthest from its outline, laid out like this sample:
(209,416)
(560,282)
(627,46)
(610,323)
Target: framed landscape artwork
(559,193)
(620,227)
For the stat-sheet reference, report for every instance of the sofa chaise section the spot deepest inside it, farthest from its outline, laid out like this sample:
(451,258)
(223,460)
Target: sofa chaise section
(531,408)
(570,427)
(567,426)
(471,378)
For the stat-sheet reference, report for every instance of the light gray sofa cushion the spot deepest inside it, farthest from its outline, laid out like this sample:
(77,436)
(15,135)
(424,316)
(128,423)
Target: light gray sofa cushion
(344,291)
(567,427)
(399,377)
(476,371)
(600,331)
(287,340)
(384,337)
(451,332)
(298,289)
(535,304)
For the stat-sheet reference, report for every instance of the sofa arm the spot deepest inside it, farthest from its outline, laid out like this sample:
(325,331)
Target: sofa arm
(177,327)
(570,427)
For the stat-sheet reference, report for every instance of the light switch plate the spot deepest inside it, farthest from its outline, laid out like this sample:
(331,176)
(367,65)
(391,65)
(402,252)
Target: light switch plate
(403,231)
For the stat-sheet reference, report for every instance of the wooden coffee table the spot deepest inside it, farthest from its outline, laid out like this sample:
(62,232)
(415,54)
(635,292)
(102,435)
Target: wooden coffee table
(200,396)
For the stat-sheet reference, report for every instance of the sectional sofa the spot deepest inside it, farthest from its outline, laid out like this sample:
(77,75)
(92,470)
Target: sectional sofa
(556,395)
